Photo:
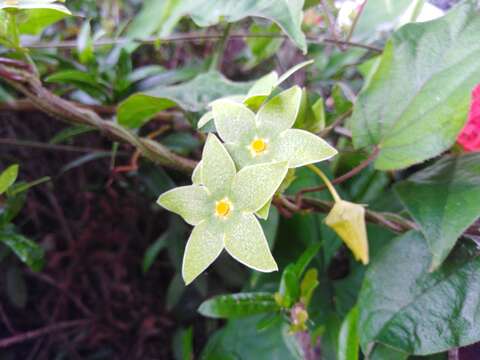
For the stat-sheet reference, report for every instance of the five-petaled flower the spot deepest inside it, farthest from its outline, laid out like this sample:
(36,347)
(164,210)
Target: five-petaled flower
(267,136)
(222,209)
(469,137)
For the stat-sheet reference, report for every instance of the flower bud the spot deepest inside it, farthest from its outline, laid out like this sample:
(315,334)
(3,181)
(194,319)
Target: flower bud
(348,221)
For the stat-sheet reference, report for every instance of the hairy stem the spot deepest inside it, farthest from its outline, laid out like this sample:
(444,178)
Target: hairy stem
(30,86)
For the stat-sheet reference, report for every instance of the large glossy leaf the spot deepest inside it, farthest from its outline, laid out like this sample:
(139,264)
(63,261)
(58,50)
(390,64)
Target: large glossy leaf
(348,343)
(285,13)
(406,307)
(445,200)
(193,95)
(35,15)
(240,340)
(27,251)
(417,101)
(238,305)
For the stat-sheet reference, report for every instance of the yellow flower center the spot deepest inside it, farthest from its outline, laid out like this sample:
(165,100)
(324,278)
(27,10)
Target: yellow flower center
(258,146)
(223,208)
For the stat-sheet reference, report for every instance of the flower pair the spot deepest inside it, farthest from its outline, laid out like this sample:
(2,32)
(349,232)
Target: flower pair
(222,202)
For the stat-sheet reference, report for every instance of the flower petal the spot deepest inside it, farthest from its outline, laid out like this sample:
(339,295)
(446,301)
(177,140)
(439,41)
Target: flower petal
(254,185)
(300,147)
(234,121)
(205,119)
(218,169)
(203,247)
(197,174)
(192,203)
(264,210)
(245,241)
(279,113)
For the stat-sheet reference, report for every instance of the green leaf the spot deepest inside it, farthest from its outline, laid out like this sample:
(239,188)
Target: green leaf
(191,202)
(308,285)
(262,48)
(34,16)
(153,251)
(26,250)
(183,344)
(238,305)
(240,340)
(289,289)
(306,258)
(378,15)
(348,342)
(382,352)
(8,177)
(286,14)
(407,308)
(444,199)
(416,103)
(193,95)
(89,83)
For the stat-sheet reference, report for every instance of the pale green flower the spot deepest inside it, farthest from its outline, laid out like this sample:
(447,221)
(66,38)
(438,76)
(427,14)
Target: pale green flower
(222,210)
(267,136)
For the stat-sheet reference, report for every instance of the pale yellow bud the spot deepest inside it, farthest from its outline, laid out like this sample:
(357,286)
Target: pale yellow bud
(348,221)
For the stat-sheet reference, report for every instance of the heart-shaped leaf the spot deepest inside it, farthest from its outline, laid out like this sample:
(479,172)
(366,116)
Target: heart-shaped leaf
(445,200)
(406,307)
(417,101)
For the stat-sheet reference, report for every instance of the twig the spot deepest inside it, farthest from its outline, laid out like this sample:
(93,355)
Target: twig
(335,123)
(340,179)
(194,36)
(331,25)
(29,335)
(25,105)
(453,354)
(43,146)
(355,21)
(390,221)
(32,88)
(217,59)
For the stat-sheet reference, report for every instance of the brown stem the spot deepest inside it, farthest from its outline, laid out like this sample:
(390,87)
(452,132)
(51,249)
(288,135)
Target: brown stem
(355,21)
(25,105)
(340,179)
(338,121)
(194,36)
(67,111)
(331,25)
(390,221)
(29,335)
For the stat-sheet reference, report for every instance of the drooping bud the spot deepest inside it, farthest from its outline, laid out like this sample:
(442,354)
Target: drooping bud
(348,221)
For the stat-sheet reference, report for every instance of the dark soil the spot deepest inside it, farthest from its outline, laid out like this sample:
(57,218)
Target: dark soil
(92,299)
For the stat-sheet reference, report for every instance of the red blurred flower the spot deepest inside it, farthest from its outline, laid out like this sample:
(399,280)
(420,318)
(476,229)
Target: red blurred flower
(469,137)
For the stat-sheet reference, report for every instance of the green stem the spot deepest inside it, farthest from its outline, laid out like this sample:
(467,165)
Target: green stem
(13,28)
(327,182)
(218,56)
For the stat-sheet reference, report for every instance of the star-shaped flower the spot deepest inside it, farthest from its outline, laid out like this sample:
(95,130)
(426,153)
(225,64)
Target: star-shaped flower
(267,136)
(222,211)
